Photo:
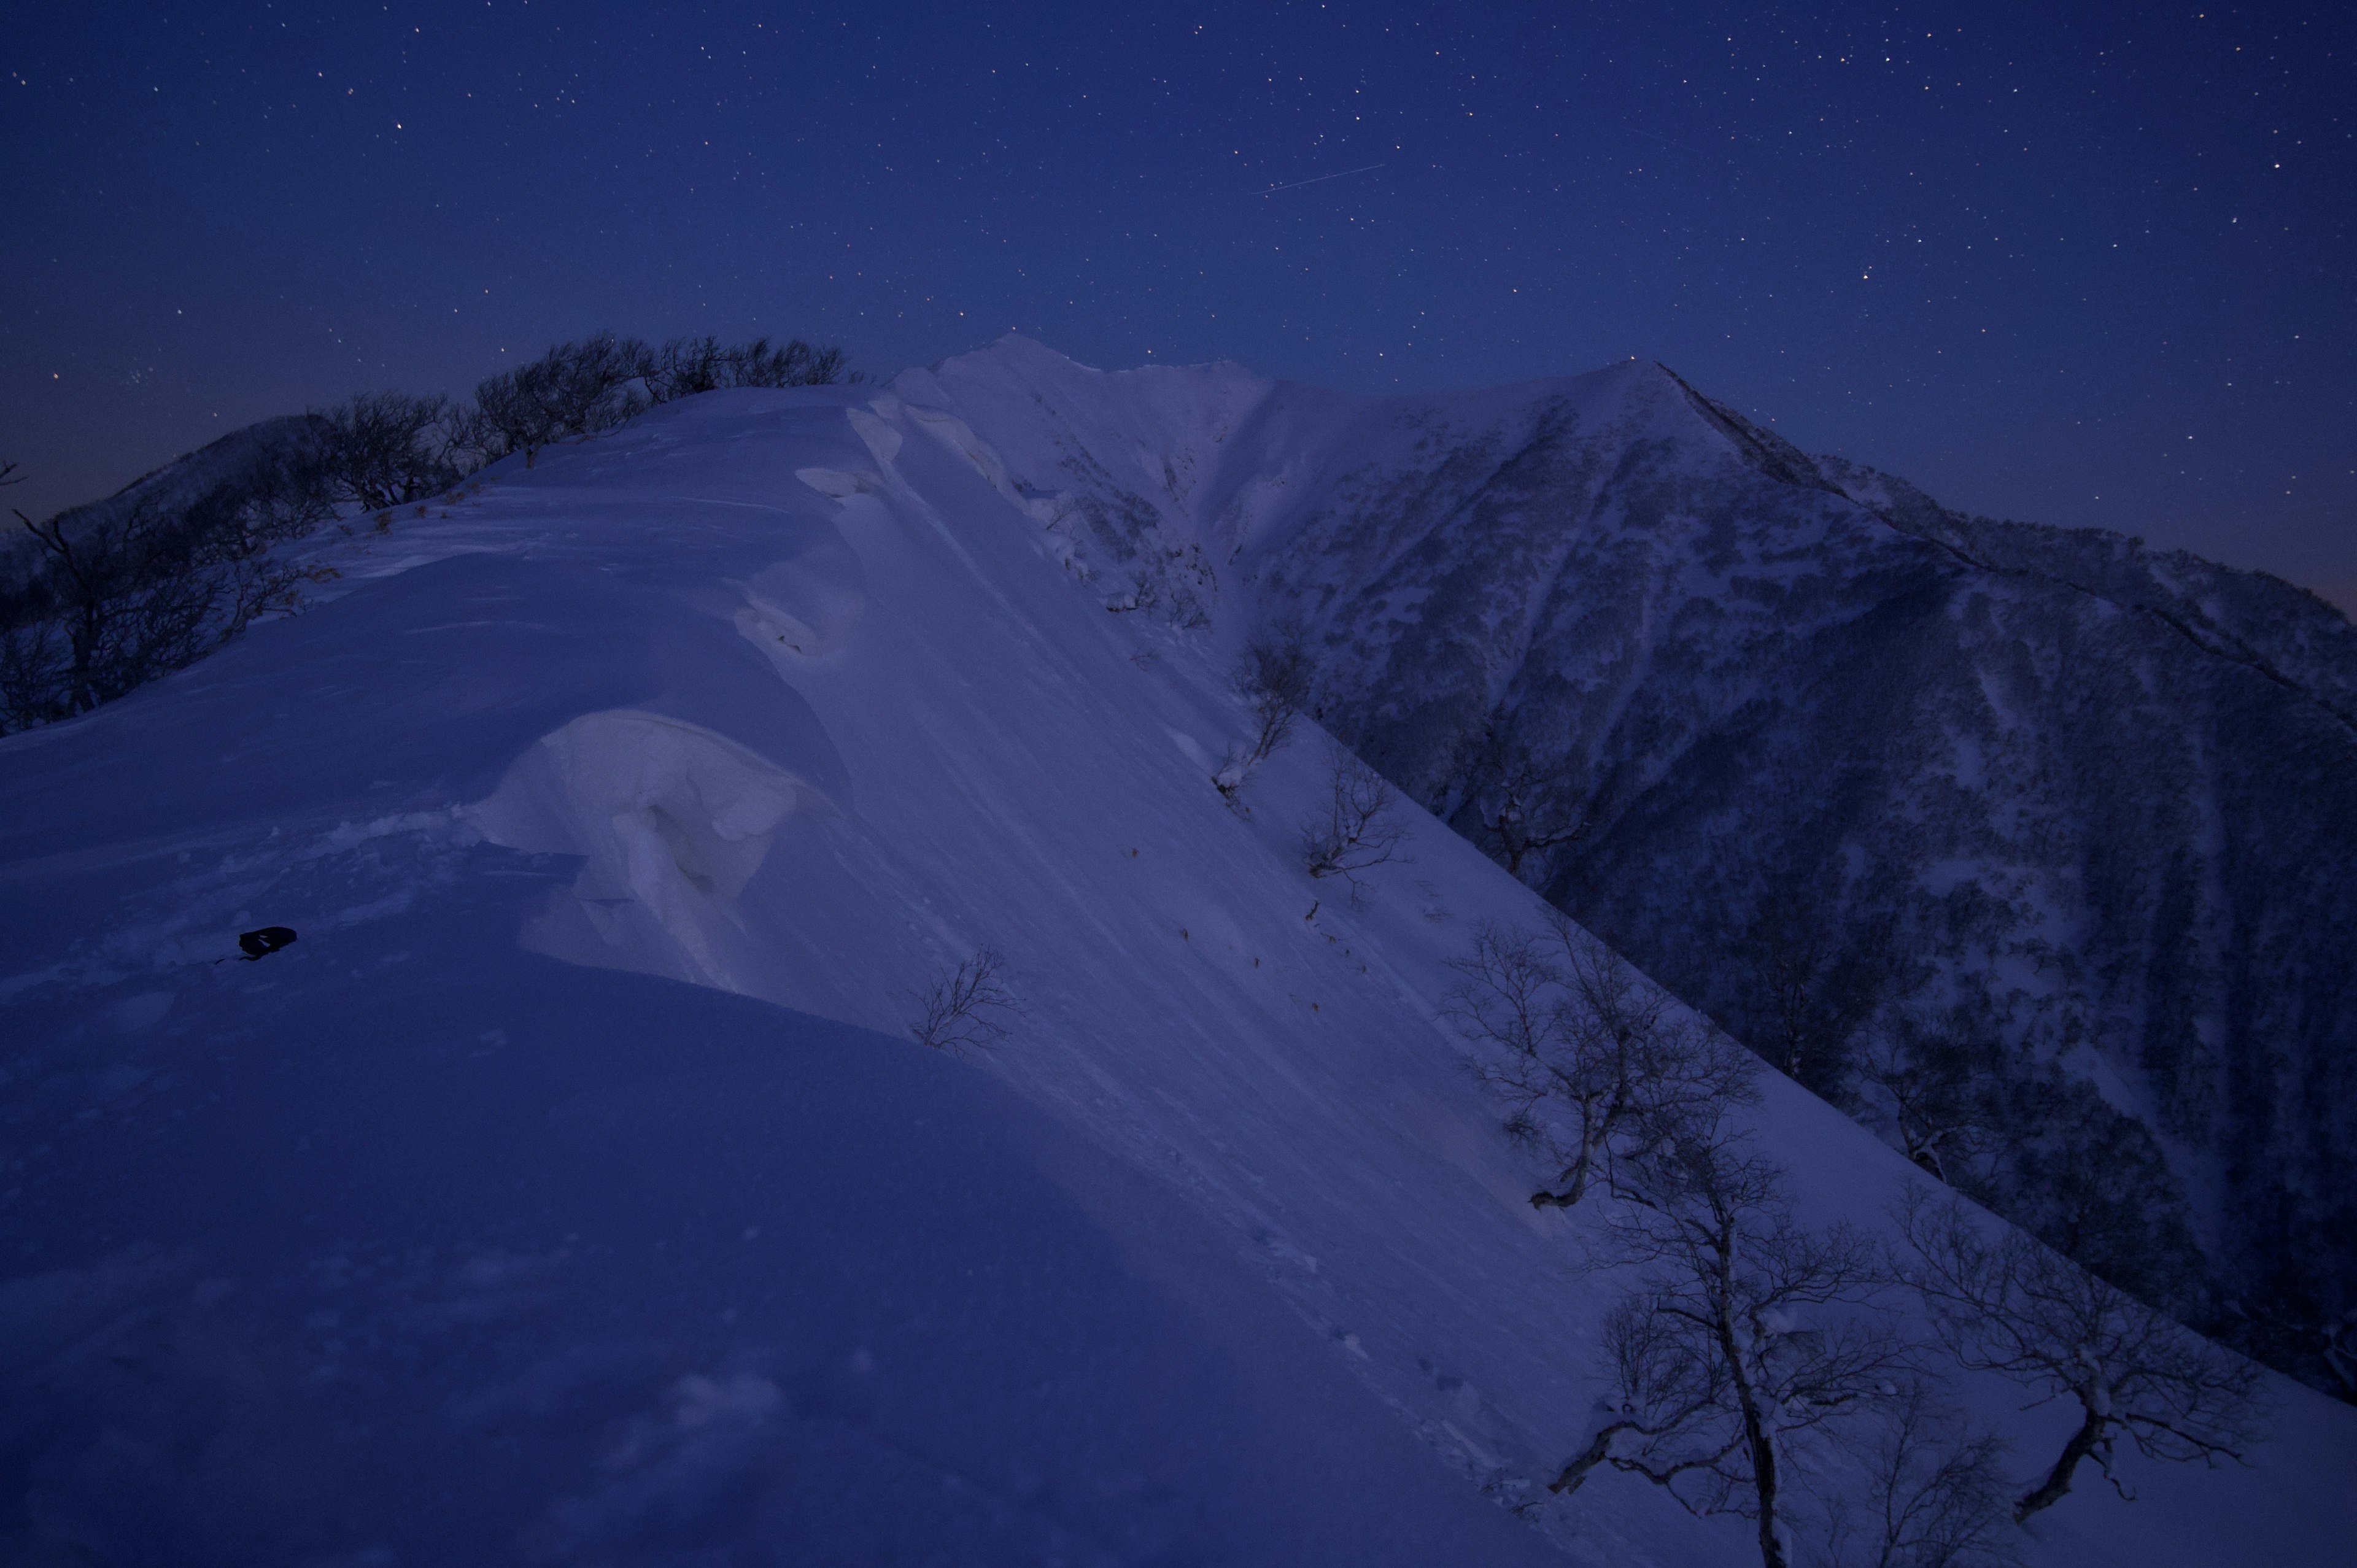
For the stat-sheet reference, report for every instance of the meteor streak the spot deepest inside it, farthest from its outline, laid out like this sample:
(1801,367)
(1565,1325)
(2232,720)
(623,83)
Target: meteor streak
(1297,184)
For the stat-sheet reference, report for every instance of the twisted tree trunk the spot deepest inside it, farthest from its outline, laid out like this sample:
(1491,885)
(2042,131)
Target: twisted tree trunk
(2057,1484)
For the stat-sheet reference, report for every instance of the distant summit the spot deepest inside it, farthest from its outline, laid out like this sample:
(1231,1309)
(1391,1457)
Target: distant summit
(227,461)
(1878,785)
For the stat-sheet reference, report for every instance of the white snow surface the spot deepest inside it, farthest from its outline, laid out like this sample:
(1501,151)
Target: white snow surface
(570,1191)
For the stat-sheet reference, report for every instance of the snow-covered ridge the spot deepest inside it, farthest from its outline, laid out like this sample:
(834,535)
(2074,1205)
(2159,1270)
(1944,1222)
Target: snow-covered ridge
(565,1195)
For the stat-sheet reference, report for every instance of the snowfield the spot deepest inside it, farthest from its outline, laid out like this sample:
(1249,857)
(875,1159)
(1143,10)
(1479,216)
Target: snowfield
(572,1193)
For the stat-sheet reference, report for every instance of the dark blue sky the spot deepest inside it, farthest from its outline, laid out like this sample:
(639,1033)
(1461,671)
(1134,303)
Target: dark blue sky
(2084,265)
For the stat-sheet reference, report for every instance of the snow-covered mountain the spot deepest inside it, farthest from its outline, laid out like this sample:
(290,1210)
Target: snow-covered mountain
(2088,809)
(570,1191)
(231,462)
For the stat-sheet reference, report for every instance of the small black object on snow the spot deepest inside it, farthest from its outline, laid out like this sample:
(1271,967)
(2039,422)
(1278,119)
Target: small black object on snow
(267,941)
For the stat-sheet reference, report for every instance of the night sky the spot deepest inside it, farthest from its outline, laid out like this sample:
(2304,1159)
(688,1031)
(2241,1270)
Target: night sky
(2076,264)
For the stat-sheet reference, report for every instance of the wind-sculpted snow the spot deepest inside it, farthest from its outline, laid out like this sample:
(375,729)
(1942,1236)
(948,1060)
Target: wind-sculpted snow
(670,822)
(570,1191)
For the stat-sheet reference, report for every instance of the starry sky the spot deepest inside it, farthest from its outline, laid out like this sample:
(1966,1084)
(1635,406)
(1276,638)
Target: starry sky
(2080,263)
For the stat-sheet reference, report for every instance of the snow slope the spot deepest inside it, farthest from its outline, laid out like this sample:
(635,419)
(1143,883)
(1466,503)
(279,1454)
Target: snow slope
(565,1194)
(2100,799)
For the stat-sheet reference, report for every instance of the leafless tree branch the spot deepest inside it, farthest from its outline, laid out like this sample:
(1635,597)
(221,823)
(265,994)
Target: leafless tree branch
(1745,1339)
(2010,1305)
(1595,1063)
(966,1007)
(1356,831)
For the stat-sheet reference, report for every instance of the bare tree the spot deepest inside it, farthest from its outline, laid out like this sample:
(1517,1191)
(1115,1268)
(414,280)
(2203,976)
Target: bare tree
(1931,1084)
(1596,1062)
(966,1006)
(1524,809)
(28,688)
(1936,1491)
(1510,991)
(2018,1308)
(1144,593)
(580,388)
(24,662)
(135,593)
(384,449)
(793,363)
(1274,676)
(1744,1343)
(2333,1339)
(573,389)
(686,366)
(1356,830)
(54,659)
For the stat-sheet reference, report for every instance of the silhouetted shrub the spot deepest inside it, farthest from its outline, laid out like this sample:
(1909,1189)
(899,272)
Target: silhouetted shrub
(573,389)
(384,449)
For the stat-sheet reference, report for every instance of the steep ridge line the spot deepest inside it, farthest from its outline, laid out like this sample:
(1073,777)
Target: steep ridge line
(2209,640)
(1782,461)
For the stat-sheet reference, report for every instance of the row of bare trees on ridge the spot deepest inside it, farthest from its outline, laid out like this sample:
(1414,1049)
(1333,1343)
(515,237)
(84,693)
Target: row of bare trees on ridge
(109,597)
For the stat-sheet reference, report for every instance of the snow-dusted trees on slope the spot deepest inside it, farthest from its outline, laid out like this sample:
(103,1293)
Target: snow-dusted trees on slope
(1273,677)
(1355,828)
(1935,1494)
(1931,1084)
(112,594)
(1753,1349)
(1748,1344)
(143,590)
(2009,1306)
(1595,1063)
